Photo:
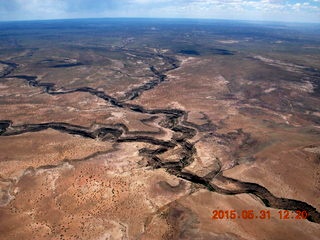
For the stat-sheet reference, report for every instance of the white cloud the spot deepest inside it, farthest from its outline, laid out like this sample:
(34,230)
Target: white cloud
(243,9)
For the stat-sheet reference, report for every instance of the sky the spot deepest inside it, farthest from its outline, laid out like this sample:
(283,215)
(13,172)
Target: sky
(265,10)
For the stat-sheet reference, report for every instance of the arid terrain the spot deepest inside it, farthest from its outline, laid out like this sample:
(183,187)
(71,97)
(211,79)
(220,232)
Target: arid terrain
(140,129)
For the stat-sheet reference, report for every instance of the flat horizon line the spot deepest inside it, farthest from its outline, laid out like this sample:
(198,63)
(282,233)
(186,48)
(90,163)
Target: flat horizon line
(162,18)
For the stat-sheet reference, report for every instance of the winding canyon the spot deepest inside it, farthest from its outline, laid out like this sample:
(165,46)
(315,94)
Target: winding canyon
(173,120)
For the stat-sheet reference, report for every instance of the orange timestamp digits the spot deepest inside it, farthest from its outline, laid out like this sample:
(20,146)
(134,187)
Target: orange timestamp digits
(262,214)
(285,214)
(244,214)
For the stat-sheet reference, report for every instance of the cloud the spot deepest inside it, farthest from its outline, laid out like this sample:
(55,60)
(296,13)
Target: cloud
(241,9)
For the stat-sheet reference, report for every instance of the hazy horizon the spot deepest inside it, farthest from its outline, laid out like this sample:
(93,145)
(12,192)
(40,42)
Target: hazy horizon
(307,11)
(166,18)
